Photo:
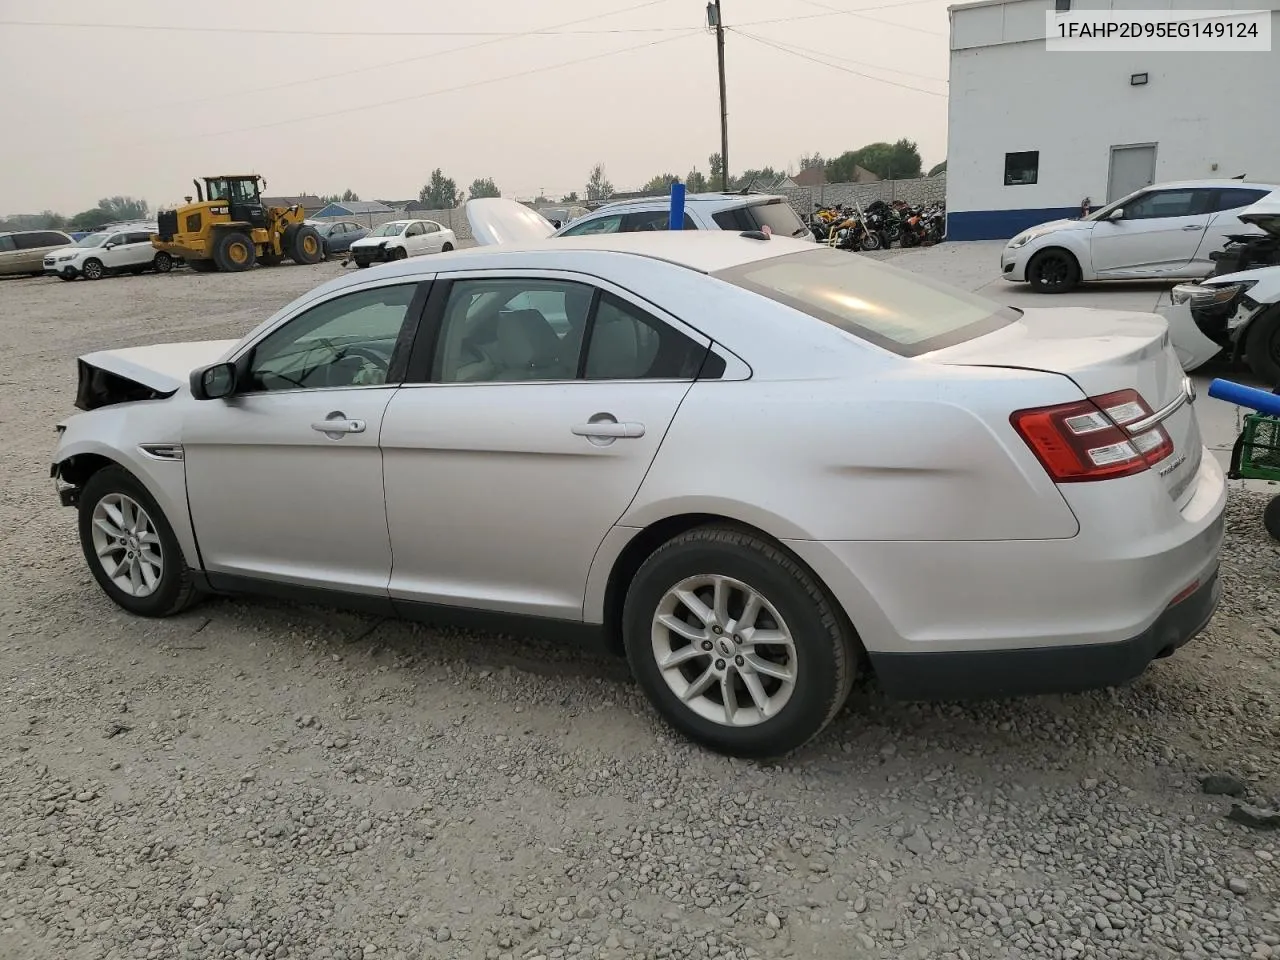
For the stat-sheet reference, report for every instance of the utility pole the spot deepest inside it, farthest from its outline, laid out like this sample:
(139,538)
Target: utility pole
(714,19)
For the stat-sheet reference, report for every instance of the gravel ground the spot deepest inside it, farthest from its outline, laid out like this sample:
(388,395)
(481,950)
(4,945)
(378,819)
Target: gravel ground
(265,780)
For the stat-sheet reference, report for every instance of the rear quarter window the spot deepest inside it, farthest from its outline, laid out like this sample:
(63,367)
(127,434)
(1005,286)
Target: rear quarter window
(777,215)
(905,313)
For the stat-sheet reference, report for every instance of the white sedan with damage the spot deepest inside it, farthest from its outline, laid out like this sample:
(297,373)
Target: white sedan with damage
(753,466)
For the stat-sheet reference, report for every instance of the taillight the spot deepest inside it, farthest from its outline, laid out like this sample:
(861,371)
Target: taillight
(1087,440)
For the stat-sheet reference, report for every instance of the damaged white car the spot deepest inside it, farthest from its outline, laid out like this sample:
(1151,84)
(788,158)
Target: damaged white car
(1236,313)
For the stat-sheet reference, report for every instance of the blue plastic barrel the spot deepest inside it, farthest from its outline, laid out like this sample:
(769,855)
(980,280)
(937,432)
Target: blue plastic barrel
(1251,397)
(675,220)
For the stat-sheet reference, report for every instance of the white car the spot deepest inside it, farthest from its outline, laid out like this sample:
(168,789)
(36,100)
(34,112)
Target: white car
(125,249)
(702,211)
(1165,231)
(1234,312)
(402,238)
(754,465)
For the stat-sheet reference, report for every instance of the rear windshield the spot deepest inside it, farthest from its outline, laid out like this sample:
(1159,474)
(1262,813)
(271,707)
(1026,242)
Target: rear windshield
(777,215)
(906,313)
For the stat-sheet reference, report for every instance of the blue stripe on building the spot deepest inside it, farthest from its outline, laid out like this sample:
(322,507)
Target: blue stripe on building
(1001,224)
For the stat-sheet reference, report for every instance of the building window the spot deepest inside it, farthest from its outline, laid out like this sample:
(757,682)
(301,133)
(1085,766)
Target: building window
(1062,6)
(1021,168)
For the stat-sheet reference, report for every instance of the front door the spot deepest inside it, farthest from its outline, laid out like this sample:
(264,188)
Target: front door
(284,478)
(537,416)
(1159,231)
(1132,168)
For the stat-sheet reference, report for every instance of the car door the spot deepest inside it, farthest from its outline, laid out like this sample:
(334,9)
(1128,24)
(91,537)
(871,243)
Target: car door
(415,241)
(1158,233)
(10,261)
(1229,203)
(137,249)
(355,231)
(114,253)
(513,448)
(332,235)
(284,477)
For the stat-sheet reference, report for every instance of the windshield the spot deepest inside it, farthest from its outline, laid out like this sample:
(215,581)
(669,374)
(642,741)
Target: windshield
(92,240)
(906,313)
(393,229)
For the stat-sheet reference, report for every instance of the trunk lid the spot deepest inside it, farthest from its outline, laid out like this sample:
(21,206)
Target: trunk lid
(496,220)
(142,373)
(1101,351)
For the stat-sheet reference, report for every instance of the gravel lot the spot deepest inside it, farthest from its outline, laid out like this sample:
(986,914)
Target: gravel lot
(265,780)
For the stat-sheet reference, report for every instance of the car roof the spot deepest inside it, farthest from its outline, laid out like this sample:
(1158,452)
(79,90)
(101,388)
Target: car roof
(714,199)
(1215,183)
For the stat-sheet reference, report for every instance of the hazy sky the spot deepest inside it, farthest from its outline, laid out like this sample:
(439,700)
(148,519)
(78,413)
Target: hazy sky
(508,89)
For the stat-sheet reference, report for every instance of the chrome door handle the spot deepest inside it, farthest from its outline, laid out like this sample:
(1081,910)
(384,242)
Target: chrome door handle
(337,424)
(1194,226)
(609,429)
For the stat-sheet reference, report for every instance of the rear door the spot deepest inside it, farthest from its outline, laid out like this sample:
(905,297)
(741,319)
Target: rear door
(539,401)
(1160,232)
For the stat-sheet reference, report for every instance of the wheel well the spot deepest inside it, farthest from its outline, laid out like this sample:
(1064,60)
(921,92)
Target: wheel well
(648,540)
(77,470)
(1055,249)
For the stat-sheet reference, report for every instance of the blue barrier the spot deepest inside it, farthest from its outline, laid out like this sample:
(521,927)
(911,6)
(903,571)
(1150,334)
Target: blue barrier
(1251,397)
(675,220)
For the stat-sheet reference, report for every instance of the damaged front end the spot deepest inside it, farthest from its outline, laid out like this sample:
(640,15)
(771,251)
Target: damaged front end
(97,387)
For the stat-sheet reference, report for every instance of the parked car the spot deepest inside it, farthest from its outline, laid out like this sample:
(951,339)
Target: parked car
(928,482)
(23,251)
(338,235)
(1166,231)
(100,254)
(702,211)
(402,238)
(1238,313)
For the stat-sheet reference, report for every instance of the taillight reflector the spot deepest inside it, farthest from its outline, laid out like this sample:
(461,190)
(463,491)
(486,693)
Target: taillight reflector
(1087,440)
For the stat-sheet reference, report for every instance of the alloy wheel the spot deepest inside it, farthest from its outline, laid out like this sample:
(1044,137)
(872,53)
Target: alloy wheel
(127,545)
(1054,271)
(724,650)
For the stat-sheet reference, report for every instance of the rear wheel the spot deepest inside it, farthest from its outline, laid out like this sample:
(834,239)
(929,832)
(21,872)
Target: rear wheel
(1262,347)
(93,269)
(233,252)
(130,547)
(202,266)
(871,241)
(162,262)
(736,644)
(447,247)
(1053,271)
(304,244)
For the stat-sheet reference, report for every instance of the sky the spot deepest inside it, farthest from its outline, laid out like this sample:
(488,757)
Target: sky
(137,97)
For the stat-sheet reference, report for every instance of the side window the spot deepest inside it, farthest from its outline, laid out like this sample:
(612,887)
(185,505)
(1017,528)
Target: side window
(431,227)
(345,342)
(139,238)
(610,224)
(27,241)
(653,220)
(414,230)
(628,344)
(1021,168)
(337,229)
(1163,203)
(734,218)
(1231,198)
(7,244)
(503,331)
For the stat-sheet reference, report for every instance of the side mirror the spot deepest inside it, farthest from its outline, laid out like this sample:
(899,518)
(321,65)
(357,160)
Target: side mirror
(213,382)
(1116,214)
(109,246)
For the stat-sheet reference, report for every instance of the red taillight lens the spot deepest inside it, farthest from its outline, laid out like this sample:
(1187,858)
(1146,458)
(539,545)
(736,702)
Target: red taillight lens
(1087,440)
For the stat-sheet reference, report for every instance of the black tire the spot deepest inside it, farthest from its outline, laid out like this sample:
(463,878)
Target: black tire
(66,275)
(1271,517)
(202,266)
(93,269)
(174,590)
(447,247)
(303,244)
(162,262)
(871,241)
(400,254)
(362,264)
(823,662)
(1053,271)
(36,273)
(1262,347)
(234,252)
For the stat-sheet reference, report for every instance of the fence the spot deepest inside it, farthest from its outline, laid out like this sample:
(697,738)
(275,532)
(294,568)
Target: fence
(919,191)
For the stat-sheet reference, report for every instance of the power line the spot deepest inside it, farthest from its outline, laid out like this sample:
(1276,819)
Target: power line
(344,34)
(432,93)
(837,12)
(383,65)
(833,66)
(860,63)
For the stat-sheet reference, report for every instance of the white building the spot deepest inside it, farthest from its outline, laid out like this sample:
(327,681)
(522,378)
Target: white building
(1033,132)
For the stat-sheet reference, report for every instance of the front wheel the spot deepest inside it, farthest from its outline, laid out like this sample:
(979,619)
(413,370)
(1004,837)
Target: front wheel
(735,644)
(130,547)
(400,254)
(93,269)
(233,252)
(871,241)
(304,245)
(162,262)
(1053,271)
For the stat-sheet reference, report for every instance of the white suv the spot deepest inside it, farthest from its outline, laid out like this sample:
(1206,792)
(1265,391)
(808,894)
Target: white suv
(702,211)
(117,249)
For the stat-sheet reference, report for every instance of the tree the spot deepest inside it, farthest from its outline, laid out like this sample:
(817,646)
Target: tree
(696,181)
(811,160)
(571,197)
(441,193)
(938,168)
(123,208)
(483,187)
(90,219)
(349,194)
(598,186)
(716,163)
(661,184)
(890,161)
(764,177)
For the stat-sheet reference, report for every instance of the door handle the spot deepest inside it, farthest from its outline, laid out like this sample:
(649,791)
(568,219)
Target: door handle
(1194,226)
(336,424)
(609,430)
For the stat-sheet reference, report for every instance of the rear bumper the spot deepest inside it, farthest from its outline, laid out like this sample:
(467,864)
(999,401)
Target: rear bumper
(965,674)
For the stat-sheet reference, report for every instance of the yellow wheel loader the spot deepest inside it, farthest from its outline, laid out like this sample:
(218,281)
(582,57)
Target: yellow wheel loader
(228,228)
